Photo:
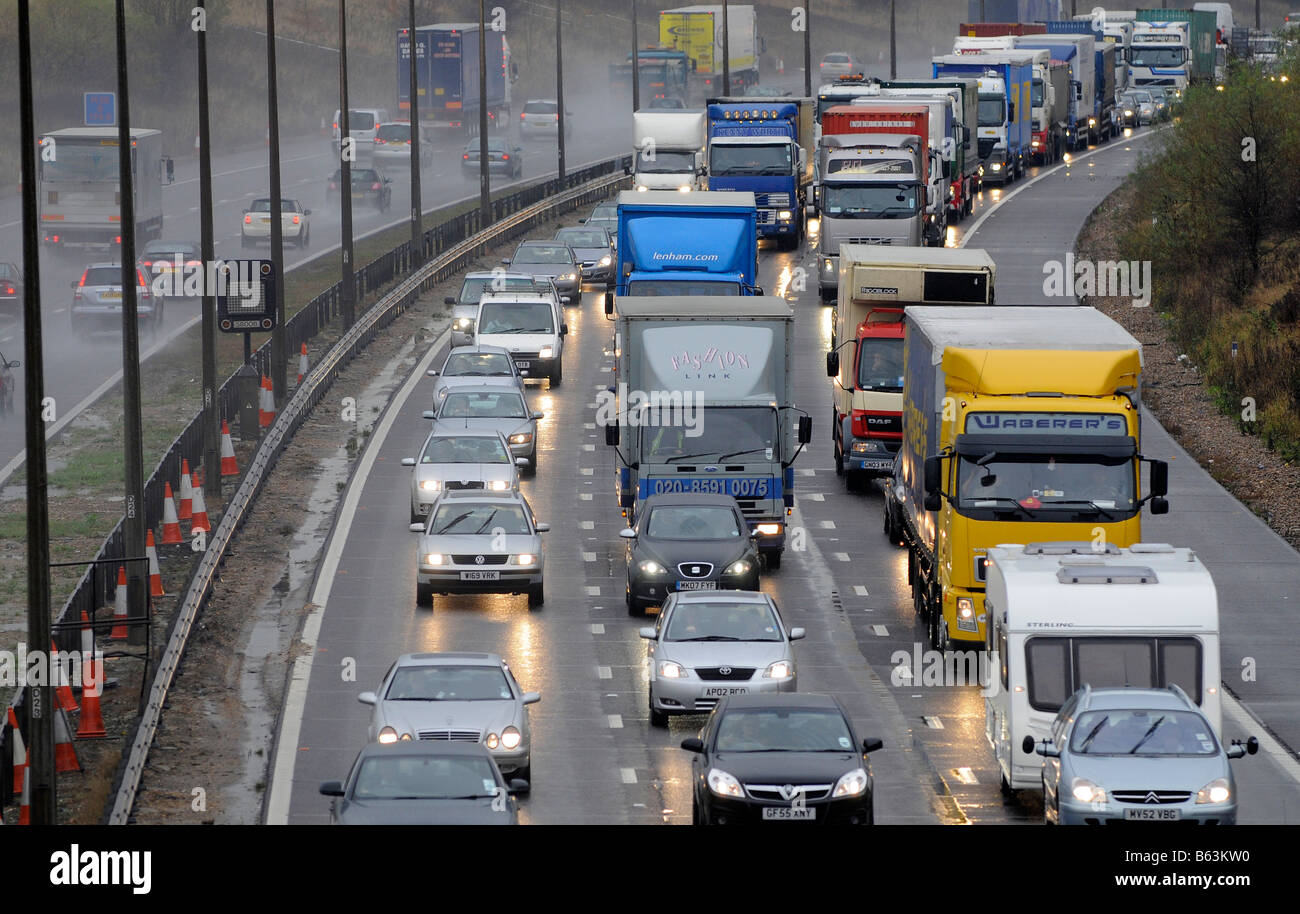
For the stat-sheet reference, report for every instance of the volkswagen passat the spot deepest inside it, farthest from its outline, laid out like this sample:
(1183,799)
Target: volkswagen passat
(476,366)
(706,646)
(420,783)
(460,459)
(1136,755)
(455,697)
(493,409)
(688,543)
(477,542)
(781,758)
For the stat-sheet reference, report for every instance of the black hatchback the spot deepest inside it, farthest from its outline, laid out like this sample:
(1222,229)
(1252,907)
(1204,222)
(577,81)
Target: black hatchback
(783,757)
(368,185)
(504,157)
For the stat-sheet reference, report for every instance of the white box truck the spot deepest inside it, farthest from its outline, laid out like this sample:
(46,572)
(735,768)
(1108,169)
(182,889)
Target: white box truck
(669,150)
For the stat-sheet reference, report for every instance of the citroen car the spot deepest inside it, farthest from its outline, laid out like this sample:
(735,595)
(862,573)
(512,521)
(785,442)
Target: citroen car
(460,459)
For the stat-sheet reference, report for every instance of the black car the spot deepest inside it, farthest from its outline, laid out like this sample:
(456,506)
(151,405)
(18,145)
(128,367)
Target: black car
(414,782)
(11,290)
(368,185)
(504,157)
(687,543)
(787,757)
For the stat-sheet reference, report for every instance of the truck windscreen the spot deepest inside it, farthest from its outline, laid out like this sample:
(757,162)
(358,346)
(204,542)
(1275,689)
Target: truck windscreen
(1029,486)
(730,431)
(870,201)
(1159,57)
(880,365)
(682,287)
(666,163)
(992,111)
(1036,94)
(747,159)
(81,162)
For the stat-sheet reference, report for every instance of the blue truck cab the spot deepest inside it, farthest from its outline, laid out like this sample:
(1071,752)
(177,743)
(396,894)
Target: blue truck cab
(694,243)
(1006,126)
(763,146)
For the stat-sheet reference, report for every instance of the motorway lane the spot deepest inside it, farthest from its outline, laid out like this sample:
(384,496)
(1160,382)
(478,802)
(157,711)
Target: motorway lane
(76,367)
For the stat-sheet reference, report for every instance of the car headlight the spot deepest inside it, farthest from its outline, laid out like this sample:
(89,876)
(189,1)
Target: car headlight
(1092,122)
(684,189)
(768,529)
(435,558)
(853,784)
(511,738)
(782,669)
(521,438)
(464,323)
(406,737)
(546,352)
(649,566)
(785,215)
(1217,791)
(571,277)
(1128,112)
(388,735)
(740,567)
(430,485)
(828,265)
(492,741)
(866,447)
(997,166)
(642,188)
(723,784)
(671,670)
(965,607)
(606,261)
(525,558)
(1085,791)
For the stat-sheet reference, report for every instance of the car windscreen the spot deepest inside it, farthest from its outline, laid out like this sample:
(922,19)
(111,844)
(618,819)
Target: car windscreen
(541,108)
(448,683)
(667,163)
(465,449)
(722,621)
(472,289)
(360,120)
(1041,483)
(582,238)
(516,317)
(425,778)
(871,201)
(504,405)
(394,133)
(784,730)
(720,431)
(477,365)
(468,519)
(102,276)
(603,212)
(494,145)
(992,110)
(1142,733)
(542,253)
(690,522)
(264,206)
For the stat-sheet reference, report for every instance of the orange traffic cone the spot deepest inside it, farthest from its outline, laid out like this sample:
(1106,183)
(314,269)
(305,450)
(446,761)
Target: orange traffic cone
(119,605)
(63,698)
(25,804)
(171,525)
(187,493)
(228,465)
(20,751)
(155,574)
(65,754)
(302,364)
(200,519)
(266,403)
(91,725)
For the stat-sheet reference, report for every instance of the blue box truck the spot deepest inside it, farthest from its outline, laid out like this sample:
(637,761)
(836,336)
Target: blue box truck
(446,62)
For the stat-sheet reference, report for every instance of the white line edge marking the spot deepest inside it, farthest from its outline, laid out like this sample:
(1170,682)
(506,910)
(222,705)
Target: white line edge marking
(295,699)
(1267,744)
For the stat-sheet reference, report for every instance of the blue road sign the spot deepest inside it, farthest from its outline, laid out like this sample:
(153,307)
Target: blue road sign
(101,109)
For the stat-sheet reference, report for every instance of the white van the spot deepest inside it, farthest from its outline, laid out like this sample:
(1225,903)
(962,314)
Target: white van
(530,326)
(363,123)
(1062,615)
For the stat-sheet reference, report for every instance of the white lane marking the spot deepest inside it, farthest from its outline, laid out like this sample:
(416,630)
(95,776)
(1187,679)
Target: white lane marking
(604,672)
(933,723)
(585,447)
(813,496)
(589,425)
(805,472)
(56,311)
(593,591)
(628,774)
(880,631)
(587,524)
(615,721)
(1267,744)
(585,496)
(965,775)
(587,471)
(859,590)
(295,702)
(828,525)
(842,557)
(589,556)
(598,628)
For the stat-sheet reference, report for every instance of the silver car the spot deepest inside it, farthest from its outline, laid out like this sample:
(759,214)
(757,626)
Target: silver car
(707,645)
(97,300)
(492,409)
(457,697)
(392,145)
(459,459)
(464,307)
(1136,755)
(553,260)
(479,542)
(541,117)
(476,366)
(594,248)
(604,215)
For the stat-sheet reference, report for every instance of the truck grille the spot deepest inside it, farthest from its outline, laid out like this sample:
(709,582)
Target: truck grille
(766,216)
(866,240)
(733,674)
(749,506)
(456,736)
(986,146)
(779,201)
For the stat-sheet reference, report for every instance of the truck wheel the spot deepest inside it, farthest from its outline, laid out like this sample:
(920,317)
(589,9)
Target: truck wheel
(839,460)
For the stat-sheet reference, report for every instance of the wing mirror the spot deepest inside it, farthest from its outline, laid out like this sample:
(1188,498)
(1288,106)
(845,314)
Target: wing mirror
(367,698)
(832,364)
(542,528)
(449,300)
(332,788)
(518,785)
(408,461)
(428,414)
(522,461)
(416,528)
(434,372)
(1239,749)
(797,634)
(627,533)
(607,303)
(805,429)
(564,329)
(538,414)
(532,698)
(647,632)
(693,744)
(872,744)
(611,434)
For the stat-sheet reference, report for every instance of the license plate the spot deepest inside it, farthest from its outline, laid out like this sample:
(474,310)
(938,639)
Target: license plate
(111,296)
(877,464)
(1153,815)
(719,691)
(697,585)
(523,364)
(789,813)
(480,575)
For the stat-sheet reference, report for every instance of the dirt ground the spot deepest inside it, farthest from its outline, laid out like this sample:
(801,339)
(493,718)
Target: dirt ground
(1175,391)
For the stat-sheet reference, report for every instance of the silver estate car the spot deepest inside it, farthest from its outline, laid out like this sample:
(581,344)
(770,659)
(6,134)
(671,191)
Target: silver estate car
(460,459)
(97,300)
(479,542)
(492,409)
(1136,755)
(456,697)
(476,366)
(709,644)
(554,260)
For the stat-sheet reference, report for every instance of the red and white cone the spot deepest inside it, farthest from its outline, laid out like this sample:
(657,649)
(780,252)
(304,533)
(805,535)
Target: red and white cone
(118,632)
(19,751)
(186,505)
(155,573)
(200,519)
(91,725)
(171,525)
(228,465)
(302,364)
(65,754)
(25,804)
(266,403)
(63,697)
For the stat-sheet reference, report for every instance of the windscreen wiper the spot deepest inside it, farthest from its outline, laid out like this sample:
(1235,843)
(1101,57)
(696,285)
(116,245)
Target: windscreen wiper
(752,450)
(453,522)
(966,502)
(688,456)
(1081,501)
(1146,736)
(1083,747)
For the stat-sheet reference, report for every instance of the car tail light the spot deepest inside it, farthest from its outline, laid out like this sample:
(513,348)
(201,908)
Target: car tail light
(296,220)
(465,156)
(557,117)
(375,186)
(505,157)
(379,141)
(333,186)
(9,290)
(77,293)
(117,239)
(147,263)
(139,278)
(522,116)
